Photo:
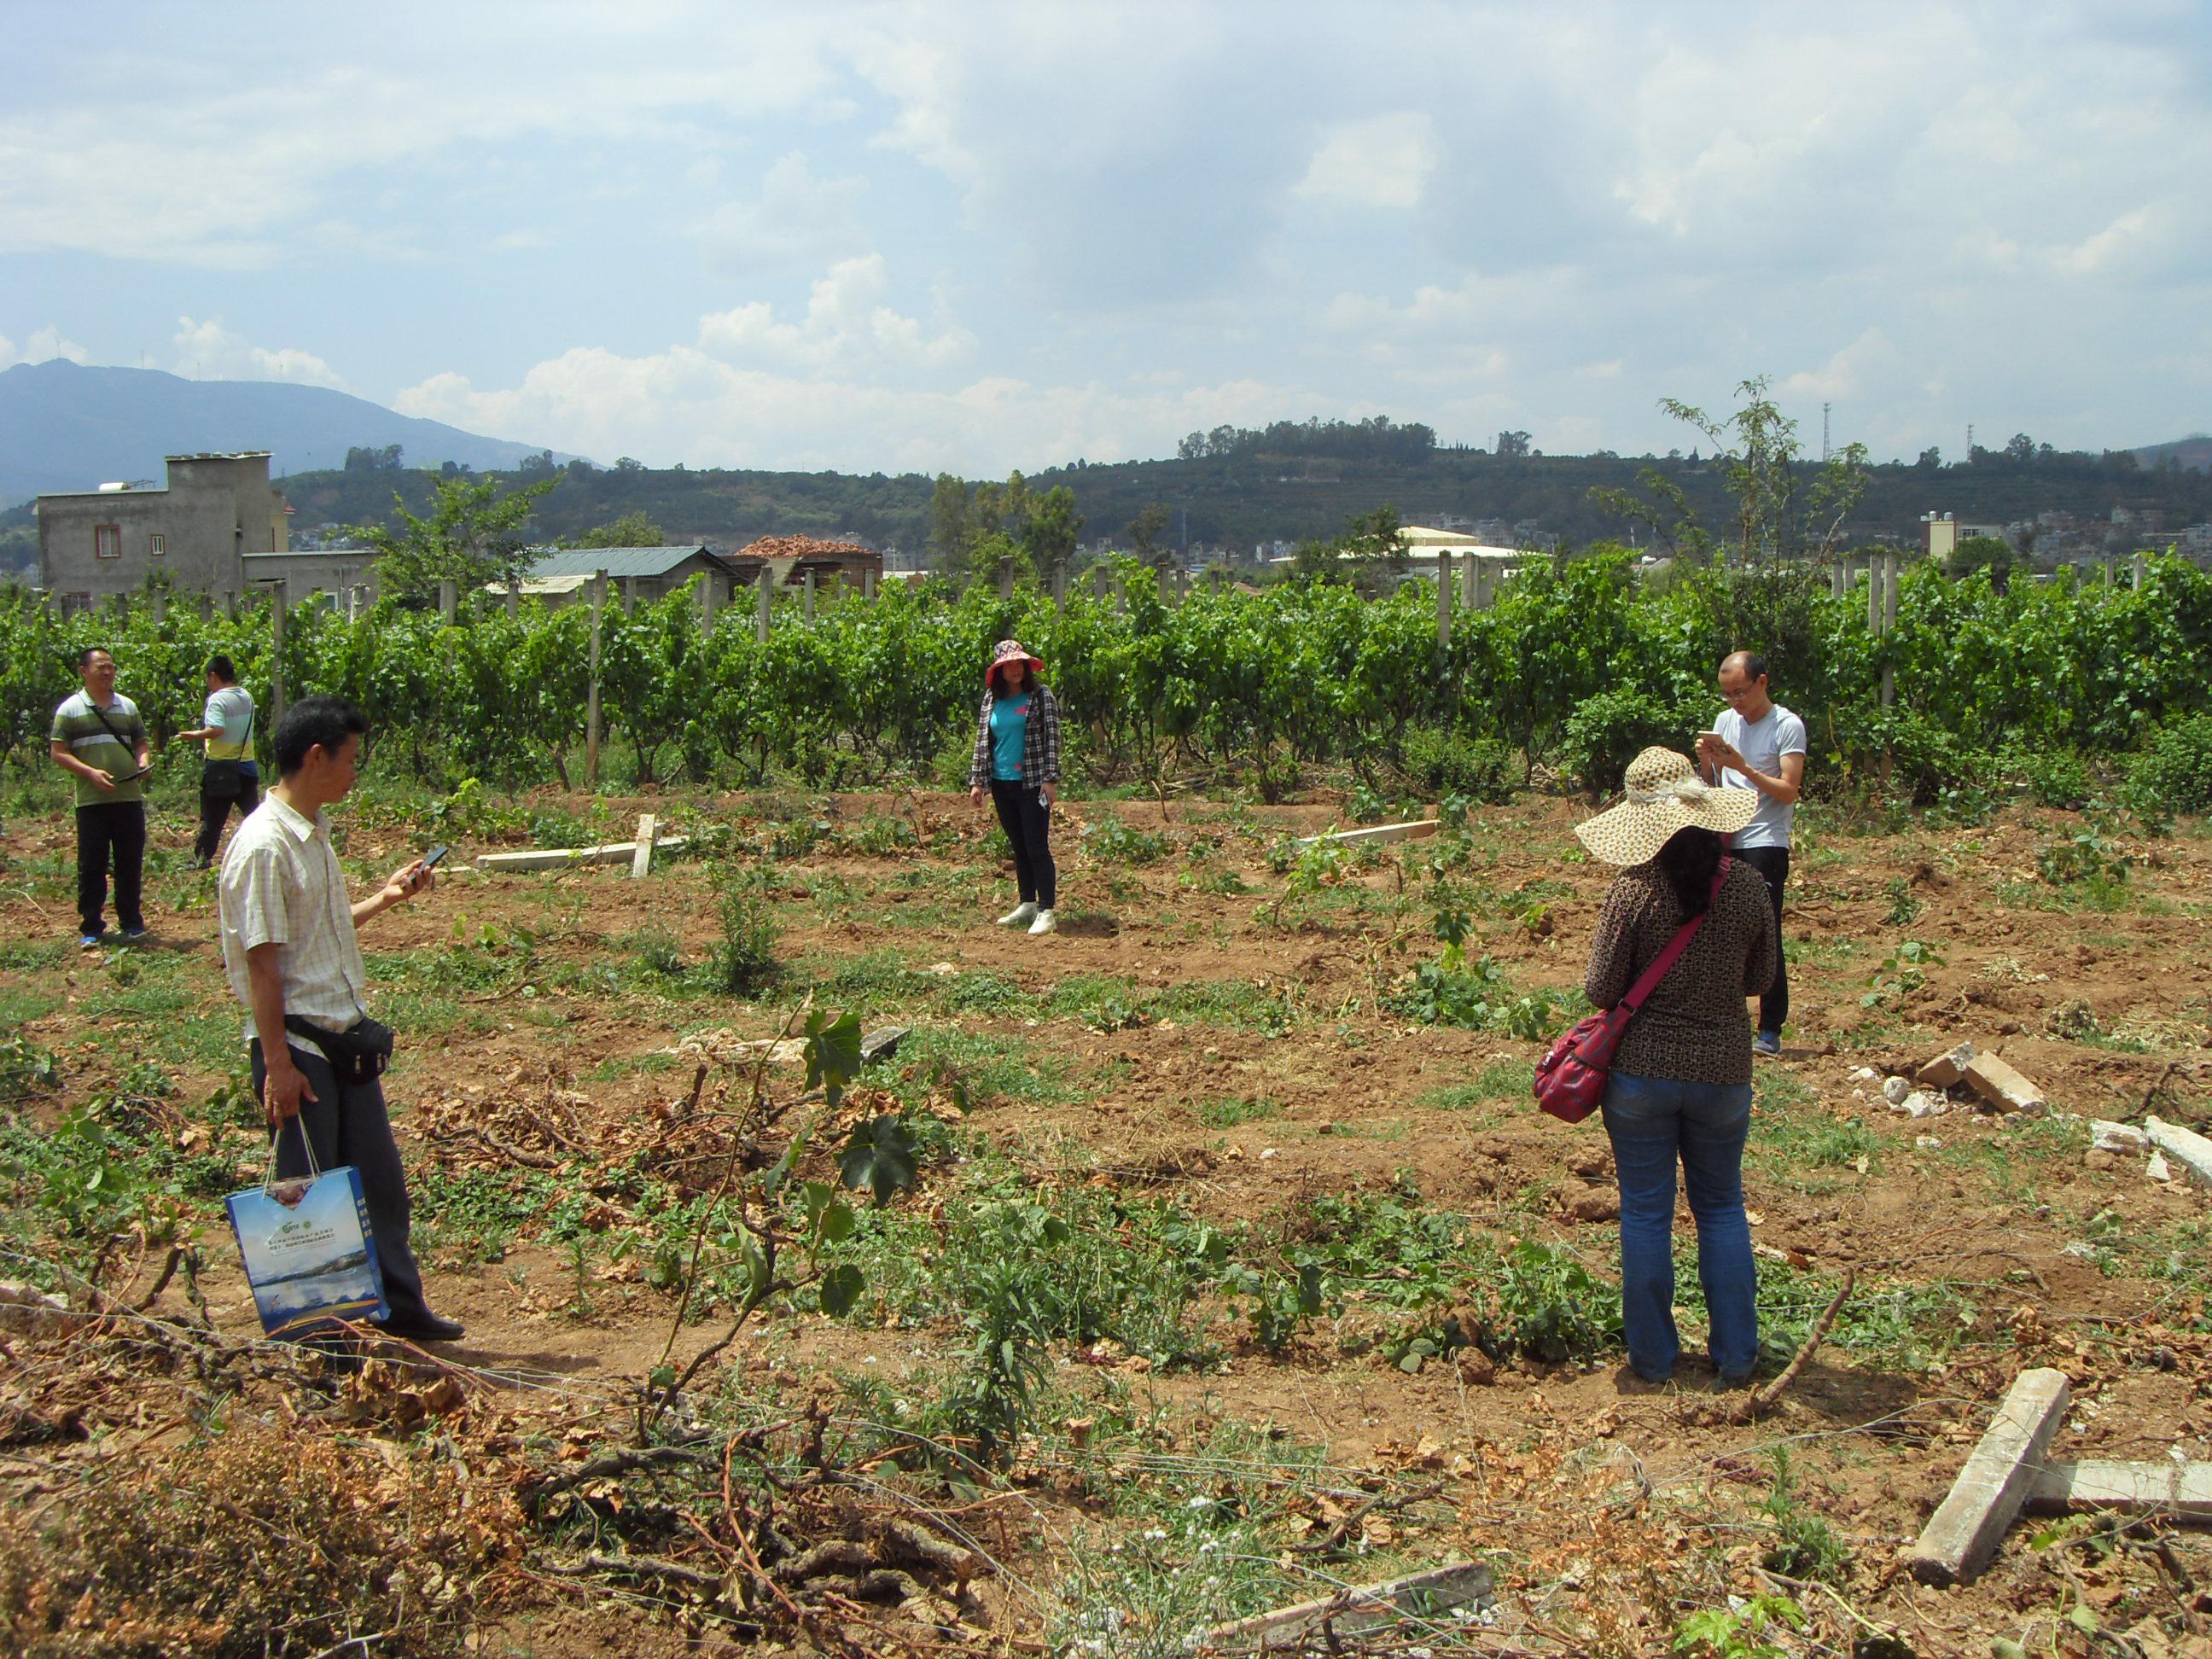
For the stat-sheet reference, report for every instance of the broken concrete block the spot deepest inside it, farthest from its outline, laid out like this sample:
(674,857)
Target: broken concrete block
(2184,1146)
(2002,1086)
(2183,1491)
(1922,1103)
(2107,1136)
(1894,1090)
(2158,1169)
(1945,1071)
(1966,1529)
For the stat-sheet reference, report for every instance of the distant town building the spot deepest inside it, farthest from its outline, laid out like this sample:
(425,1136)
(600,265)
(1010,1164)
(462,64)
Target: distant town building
(198,532)
(1939,535)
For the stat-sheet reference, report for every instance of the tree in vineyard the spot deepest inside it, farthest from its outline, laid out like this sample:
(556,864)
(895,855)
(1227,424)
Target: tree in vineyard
(473,535)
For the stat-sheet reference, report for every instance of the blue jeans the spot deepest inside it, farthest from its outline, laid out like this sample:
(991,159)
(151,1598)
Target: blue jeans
(1651,1120)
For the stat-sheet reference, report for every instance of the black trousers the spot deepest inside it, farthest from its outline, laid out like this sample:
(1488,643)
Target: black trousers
(1774,864)
(110,831)
(348,1126)
(223,784)
(1028,825)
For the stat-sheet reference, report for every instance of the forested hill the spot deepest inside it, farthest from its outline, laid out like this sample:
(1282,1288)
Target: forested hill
(1288,483)
(64,426)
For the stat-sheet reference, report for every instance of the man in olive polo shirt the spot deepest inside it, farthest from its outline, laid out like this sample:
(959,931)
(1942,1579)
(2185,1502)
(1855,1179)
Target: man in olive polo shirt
(98,738)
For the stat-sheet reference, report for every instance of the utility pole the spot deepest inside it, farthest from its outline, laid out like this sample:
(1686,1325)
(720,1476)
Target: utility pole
(1825,407)
(1969,440)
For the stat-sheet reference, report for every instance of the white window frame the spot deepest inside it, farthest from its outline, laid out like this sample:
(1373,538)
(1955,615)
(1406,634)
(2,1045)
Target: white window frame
(108,536)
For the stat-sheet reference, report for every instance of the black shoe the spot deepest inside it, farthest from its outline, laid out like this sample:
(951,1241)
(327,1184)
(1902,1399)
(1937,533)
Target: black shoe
(424,1327)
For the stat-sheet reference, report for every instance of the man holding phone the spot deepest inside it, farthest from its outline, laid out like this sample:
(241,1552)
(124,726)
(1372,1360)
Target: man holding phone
(99,739)
(1757,744)
(291,954)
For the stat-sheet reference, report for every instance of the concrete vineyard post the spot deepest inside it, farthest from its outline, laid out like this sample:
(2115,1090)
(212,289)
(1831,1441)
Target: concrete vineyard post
(2140,570)
(449,600)
(629,596)
(1443,598)
(810,597)
(160,607)
(867,586)
(1059,586)
(513,598)
(706,605)
(598,603)
(764,596)
(276,654)
(1006,577)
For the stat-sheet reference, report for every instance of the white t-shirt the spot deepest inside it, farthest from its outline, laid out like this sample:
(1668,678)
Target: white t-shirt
(1763,743)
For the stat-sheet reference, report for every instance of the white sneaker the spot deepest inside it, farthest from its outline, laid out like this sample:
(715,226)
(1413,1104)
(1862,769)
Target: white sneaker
(1021,915)
(1043,924)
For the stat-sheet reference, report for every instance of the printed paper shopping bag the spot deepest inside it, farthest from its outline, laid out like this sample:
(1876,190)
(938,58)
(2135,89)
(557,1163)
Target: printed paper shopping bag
(309,1253)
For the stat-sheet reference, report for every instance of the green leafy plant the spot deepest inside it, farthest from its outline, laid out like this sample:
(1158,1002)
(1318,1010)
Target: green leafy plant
(745,960)
(1805,1545)
(2086,858)
(1738,1631)
(1903,907)
(1109,840)
(1901,973)
(1479,771)
(25,1069)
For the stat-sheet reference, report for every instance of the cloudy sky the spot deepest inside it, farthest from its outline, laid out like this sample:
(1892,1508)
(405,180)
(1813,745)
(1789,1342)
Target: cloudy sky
(976,237)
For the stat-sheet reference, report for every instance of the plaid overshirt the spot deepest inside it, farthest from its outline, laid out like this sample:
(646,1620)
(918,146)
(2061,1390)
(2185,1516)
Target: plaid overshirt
(1039,742)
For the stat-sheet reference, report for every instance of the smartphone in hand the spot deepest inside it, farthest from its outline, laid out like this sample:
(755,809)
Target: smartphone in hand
(429,860)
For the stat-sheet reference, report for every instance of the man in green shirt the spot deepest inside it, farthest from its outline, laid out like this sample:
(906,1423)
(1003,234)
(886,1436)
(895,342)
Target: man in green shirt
(98,738)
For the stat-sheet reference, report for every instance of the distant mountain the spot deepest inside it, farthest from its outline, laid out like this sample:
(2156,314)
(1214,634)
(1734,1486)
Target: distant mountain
(66,427)
(2194,453)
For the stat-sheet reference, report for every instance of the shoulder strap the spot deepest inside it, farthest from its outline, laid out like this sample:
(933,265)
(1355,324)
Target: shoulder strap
(101,714)
(1663,963)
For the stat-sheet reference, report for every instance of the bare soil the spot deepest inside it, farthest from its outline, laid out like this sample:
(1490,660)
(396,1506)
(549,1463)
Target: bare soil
(1616,1507)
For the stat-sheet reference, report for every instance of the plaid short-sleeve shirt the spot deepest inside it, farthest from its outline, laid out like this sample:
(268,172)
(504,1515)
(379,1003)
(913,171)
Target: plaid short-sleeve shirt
(281,886)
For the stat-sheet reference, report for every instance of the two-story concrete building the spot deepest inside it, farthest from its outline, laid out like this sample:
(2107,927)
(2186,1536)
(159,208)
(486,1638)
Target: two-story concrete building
(198,531)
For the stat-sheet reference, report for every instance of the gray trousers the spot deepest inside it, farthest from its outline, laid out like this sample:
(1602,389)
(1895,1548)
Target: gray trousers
(349,1125)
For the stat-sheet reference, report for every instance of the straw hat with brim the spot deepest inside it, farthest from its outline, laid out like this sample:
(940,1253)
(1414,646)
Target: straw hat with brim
(1008,651)
(1664,795)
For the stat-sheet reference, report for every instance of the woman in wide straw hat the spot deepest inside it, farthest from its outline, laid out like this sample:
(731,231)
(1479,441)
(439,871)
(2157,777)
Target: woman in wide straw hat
(1017,754)
(1680,1086)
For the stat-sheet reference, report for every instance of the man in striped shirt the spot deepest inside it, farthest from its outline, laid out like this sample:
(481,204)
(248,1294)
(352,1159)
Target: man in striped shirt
(100,739)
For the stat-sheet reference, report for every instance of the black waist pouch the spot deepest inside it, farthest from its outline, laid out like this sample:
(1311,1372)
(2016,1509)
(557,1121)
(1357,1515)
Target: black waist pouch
(223,780)
(358,1055)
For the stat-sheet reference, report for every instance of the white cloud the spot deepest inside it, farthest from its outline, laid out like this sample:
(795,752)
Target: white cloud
(208,351)
(798,218)
(1380,162)
(2115,242)
(44,346)
(683,403)
(847,326)
(1857,368)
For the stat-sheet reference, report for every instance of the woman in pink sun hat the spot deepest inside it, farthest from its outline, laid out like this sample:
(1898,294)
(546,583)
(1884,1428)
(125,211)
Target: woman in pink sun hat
(1018,755)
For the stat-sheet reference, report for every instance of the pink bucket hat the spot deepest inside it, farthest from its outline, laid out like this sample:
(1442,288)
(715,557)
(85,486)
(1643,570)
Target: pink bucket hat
(1010,651)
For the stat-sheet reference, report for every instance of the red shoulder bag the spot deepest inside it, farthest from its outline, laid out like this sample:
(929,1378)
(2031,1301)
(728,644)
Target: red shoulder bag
(1570,1079)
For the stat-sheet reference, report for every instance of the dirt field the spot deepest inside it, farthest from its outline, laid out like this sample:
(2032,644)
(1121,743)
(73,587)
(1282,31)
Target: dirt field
(1211,1075)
